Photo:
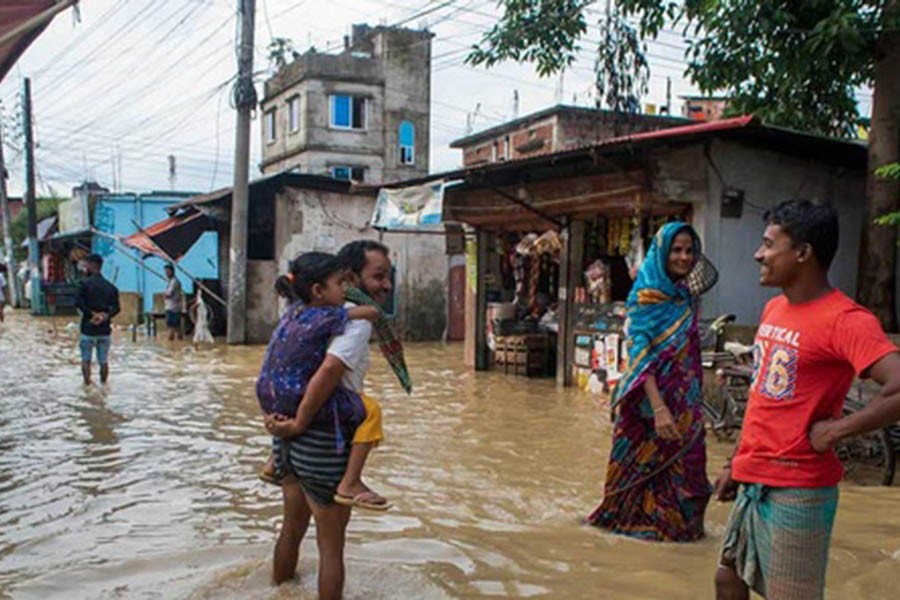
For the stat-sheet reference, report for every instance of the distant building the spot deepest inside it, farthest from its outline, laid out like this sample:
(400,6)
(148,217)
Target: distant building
(290,213)
(554,129)
(720,176)
(15,206)
(119,215)
(94,220)
(360,115)
(704,108)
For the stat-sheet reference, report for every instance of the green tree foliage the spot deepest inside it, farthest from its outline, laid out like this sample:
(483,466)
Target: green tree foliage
(19,227)
(280,49)
(544,33)
(791,63)
(621,65)
(891,171)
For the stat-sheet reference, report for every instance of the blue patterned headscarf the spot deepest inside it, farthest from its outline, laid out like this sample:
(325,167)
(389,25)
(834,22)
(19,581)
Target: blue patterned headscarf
(660,311)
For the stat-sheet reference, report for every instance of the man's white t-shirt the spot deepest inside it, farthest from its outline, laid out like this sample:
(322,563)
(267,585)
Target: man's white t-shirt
(352,349)
(173,295)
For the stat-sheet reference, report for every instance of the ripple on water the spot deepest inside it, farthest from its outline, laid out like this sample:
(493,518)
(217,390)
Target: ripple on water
(147,488)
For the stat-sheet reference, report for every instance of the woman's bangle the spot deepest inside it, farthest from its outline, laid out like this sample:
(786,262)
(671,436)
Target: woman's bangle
(660,408)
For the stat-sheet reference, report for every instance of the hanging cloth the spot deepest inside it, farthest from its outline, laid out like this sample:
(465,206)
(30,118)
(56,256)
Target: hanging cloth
(202,334)
(390,346)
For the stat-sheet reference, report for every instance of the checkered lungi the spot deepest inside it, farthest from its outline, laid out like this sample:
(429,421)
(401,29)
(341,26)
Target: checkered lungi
(777,540)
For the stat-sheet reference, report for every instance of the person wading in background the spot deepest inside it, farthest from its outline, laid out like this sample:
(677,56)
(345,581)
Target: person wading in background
(98,303)
(174,299)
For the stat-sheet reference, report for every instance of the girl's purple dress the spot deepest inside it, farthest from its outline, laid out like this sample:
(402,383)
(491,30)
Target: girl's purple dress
(295,352)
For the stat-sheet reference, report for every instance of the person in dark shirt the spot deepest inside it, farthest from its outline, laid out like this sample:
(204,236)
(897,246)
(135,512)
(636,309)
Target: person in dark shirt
(98,302)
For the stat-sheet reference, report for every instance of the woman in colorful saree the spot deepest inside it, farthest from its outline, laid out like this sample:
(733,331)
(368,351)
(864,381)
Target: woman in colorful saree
(656,486)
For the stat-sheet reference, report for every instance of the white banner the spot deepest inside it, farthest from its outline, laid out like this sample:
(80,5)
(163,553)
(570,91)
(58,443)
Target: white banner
(73,215)
(411,208)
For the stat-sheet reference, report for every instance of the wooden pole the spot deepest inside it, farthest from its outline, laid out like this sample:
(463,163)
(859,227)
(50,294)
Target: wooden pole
(125,253)
(15,289)
(30,202)
(175,264)
(244,101)
(571,258)
(481,348)
(471,297)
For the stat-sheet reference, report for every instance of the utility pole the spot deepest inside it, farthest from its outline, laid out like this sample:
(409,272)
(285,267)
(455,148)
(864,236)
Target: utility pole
(15,291)
(668,95)
(171,159)
(560,87)
(244,102)
(30,202)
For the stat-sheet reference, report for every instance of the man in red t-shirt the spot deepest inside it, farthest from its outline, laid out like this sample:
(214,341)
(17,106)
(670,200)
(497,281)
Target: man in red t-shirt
(811,342)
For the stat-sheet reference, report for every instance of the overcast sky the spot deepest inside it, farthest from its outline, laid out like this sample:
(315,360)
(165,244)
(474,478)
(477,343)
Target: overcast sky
(138,80)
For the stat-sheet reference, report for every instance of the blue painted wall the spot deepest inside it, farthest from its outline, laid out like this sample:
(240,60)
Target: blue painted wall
(114,214)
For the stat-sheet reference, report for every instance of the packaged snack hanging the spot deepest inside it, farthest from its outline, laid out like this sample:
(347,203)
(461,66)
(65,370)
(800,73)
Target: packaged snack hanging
(597,282)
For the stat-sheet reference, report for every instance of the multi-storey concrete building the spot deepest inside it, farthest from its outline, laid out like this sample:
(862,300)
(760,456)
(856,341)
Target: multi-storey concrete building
(552,130)
(362,114)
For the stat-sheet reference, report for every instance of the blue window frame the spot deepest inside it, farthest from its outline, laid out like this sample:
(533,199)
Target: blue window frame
(407,140)
(340,173)
(348,173)
(348,112)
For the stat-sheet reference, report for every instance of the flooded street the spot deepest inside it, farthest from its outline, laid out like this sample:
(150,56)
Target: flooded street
(148,489)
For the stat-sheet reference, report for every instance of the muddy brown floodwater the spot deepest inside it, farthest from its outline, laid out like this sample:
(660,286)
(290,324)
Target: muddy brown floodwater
(147,489)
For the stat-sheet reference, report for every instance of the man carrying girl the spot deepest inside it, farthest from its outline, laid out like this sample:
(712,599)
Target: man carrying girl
(317,459)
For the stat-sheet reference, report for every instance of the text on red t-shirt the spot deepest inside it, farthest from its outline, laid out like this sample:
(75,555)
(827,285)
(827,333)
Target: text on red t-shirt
(805,358)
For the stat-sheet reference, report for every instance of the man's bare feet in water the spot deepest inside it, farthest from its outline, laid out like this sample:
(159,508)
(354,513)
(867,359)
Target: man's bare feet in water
(359,495)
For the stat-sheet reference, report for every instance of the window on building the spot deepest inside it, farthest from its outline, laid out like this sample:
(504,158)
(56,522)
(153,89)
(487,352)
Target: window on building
(294,114)
(348,173)
(270,126)
(505,154)
(407,139)
(494,152)
(348,112)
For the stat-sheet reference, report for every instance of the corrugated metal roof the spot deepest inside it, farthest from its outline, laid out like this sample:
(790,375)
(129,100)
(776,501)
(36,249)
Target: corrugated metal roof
(174,236)
(298,180)
(46,228)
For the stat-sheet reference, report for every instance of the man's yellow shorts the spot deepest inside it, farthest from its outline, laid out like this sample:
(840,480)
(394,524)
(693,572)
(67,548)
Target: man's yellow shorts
(369,431)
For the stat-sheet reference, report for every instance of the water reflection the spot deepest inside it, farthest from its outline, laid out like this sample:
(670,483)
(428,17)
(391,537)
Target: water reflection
(147,488)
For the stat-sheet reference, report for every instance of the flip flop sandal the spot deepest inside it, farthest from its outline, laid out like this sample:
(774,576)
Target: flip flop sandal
(359,501)
(271,478)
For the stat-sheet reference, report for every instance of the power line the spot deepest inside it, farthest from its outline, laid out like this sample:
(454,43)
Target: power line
(114,79)
(152,82)
(78,40)
(423,12)
(127,26)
